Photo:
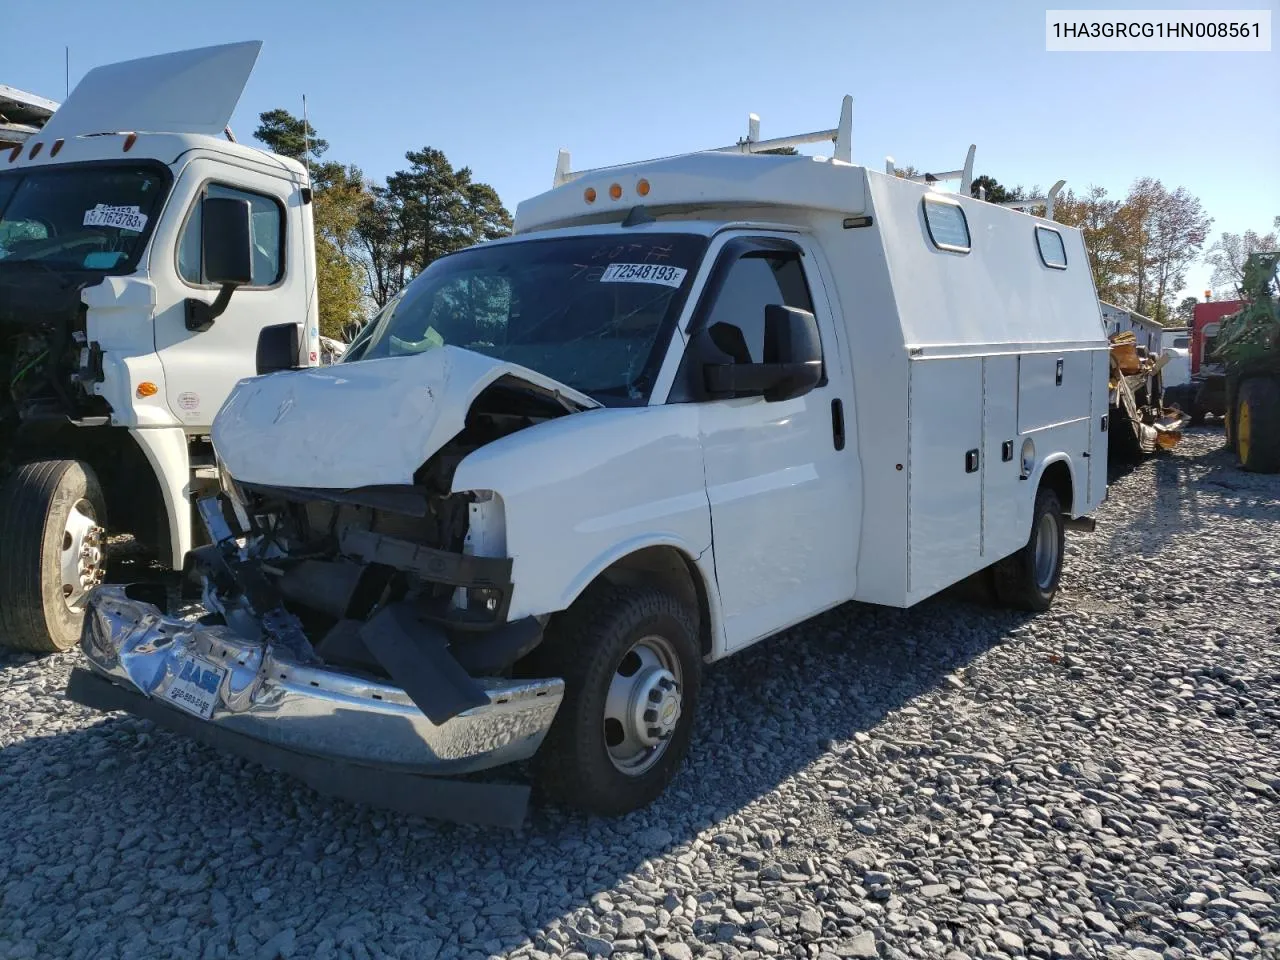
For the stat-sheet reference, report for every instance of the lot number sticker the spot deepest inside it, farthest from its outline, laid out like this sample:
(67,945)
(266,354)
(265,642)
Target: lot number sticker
(643,273)
(126,218)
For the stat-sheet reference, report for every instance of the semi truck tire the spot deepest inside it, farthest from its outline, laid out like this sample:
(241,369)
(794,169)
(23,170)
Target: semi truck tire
(53,516)
(1028,579)
(631,665)
(1257,425)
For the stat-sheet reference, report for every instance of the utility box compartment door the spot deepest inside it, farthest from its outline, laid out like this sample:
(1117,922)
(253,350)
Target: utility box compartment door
(1053,388)
(1098,437)
(944,500)
(1004,521)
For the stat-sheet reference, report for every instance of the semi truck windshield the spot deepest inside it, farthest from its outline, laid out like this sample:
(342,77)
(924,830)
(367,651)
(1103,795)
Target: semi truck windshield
(91,217)
(594,312)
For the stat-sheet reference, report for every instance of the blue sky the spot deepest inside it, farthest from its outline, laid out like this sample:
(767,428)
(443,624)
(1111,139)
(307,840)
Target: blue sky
(500,86)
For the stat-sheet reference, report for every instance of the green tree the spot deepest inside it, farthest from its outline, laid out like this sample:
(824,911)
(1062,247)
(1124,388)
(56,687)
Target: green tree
(1098,218)
(283,133)
(423,213)
(338,196)
(1228,256)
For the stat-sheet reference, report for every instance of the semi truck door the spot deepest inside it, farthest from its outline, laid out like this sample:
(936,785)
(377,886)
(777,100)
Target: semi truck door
(780,476)
(202,366)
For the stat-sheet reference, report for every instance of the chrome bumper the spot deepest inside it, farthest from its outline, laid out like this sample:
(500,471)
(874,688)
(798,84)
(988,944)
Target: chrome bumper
(312,710)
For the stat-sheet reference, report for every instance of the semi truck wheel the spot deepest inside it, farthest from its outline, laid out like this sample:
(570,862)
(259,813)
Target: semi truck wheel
(53,516)
(1028,579)
(1257,425)
(631,666)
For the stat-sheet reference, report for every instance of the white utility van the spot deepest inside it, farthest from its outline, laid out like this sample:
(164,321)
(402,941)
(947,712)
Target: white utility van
(690,403)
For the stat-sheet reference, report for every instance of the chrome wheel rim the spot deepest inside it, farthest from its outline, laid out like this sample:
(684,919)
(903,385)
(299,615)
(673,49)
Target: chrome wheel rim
(643,706)
(80,560)
(1046,564)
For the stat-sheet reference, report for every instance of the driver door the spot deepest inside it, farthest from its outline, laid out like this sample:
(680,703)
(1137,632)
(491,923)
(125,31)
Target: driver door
(202,367)
(780,481)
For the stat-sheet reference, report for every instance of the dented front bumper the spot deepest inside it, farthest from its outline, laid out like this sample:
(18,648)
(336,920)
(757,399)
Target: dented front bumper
(253,690)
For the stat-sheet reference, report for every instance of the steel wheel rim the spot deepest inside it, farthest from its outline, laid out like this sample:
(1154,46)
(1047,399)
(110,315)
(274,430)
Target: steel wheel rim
(80,559)
(1243,431)
(643,706)
(1046,556)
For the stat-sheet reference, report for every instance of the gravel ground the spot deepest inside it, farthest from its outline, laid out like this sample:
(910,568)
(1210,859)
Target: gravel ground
(950,781)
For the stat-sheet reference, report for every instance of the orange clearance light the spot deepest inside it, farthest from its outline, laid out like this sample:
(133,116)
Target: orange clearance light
(147,389)
(35,150)
(129,141)
(642,188)
(589,194)
(57,145)
(615,191)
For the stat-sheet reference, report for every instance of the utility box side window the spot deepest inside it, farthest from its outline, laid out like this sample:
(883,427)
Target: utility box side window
(947,225)
(1052,252)
(267,221)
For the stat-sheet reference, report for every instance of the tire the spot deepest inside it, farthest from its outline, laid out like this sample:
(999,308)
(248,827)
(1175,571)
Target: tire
(590,646)
(1020,582)
(44,506)
(1257,425)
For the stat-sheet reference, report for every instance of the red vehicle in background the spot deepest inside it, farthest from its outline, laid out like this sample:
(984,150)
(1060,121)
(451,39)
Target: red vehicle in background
(1208,377)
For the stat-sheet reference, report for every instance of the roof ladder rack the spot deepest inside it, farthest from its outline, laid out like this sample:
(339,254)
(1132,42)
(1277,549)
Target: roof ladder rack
(964,175)
(841,135)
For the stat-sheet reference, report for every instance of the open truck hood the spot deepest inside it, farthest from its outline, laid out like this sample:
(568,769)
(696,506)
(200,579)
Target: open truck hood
(367,423)
(191,91)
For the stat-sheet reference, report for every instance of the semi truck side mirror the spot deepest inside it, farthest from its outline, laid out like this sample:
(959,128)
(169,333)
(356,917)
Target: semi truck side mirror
(226,253)
(791,365)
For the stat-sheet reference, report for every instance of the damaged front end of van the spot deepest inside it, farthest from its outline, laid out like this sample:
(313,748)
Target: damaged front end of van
(355,631)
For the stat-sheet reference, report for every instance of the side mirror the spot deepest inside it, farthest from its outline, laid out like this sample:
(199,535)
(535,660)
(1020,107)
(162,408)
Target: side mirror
(278,348)
(226,252)
(792,361)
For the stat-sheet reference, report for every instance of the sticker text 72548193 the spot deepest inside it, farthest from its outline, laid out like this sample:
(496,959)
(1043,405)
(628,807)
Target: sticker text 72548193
(643,273)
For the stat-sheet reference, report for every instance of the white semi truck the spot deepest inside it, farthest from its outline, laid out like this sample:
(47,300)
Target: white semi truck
(147,264)
(690,403)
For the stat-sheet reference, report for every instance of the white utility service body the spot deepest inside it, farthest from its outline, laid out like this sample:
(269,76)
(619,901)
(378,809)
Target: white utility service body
(147,379)
(963,374)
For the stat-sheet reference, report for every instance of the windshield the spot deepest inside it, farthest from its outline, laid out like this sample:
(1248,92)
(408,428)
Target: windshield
(81,217)
(1181,343)
(594,312)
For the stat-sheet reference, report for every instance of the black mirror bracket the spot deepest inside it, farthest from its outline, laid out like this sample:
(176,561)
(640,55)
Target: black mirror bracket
(200,315)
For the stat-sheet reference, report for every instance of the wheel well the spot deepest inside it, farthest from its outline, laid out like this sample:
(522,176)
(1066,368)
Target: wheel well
(668,569)
(1057,477)
(128,483)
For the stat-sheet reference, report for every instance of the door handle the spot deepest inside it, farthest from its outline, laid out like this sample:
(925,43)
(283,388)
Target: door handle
(971,461)
(837,423)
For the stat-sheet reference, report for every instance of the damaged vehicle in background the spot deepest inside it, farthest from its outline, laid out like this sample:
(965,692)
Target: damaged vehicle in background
(565,469)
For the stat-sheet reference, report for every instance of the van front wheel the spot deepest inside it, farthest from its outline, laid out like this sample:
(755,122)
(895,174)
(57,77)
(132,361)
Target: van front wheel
(631,665)
(1028,580)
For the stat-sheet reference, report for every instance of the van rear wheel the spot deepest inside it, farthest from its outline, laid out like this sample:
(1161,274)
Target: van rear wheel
(54,516)
(1028,579)
(630,660)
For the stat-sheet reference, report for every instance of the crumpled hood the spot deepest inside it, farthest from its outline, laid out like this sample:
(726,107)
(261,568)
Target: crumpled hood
(358,424)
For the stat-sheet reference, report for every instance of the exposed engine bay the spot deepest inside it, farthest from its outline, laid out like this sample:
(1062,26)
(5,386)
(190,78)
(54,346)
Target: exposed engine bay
(406,583)
(46,366)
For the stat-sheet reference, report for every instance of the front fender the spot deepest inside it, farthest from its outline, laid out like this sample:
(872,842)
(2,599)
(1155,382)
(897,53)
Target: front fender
(581,491)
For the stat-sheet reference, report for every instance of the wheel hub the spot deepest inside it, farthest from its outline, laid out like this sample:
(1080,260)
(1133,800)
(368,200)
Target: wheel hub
(657,707)
(643,706)
(81,556)
(1046,552)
